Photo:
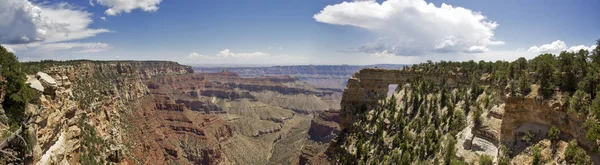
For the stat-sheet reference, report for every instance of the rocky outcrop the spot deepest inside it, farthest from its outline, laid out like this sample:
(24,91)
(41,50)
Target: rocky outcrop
(366,87)
(504,121)
(83,97)
(76,70)
(157,113)
(267,131)
(324,126)
(520,111)
(206,107)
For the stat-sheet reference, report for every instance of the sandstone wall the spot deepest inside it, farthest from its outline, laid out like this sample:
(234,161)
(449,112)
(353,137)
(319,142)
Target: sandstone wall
(519,111)
(368,86)
(80,96)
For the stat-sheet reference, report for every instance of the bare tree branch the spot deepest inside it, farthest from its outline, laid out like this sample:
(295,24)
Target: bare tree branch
(6,141)
(9,154)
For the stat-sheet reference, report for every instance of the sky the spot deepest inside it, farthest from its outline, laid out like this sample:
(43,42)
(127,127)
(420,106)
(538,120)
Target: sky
(296,32)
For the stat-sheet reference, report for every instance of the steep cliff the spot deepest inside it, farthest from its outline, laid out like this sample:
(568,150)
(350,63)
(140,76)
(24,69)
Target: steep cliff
(82,106)
(130,112)
(268,116)
(497,122)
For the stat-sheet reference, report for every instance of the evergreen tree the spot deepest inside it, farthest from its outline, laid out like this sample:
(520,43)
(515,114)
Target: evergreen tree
(18,94)
(544,65)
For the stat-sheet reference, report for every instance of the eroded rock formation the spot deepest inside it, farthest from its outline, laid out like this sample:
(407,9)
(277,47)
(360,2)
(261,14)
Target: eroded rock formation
(504,121)
(83,101)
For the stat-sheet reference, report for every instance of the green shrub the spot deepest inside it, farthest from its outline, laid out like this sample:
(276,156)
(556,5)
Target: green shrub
(576,155)
(485,160)
(477,116)
(579,102)
(18,94)
(536,156)
(553,134)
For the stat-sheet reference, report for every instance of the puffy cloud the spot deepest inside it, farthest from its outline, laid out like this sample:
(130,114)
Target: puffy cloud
(383,54)
(553,47)
(103,18)
(24,22)
(80,47)
(75,22)
(558,46)
(477,49)
(196,56)
(579,47)
(116,7)
(21,22)
(414,27)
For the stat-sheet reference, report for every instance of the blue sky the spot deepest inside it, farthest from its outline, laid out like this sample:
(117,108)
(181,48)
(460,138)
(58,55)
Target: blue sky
(275,32)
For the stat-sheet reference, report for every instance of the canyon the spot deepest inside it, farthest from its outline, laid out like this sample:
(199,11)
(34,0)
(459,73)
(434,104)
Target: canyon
(505,120)
(323,76)
(156,112)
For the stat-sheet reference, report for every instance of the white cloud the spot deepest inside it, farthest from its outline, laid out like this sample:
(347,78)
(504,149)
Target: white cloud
(228,54)
(477,49)
(24,22)
(116,7)
(196,56)
(74,22)
(382,54)
(414,27)
(579,47)
(79,47)
(103,18)
(553,47)
(92,3)
(559,46)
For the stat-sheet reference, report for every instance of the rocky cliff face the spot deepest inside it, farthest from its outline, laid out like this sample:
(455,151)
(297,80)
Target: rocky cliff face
(368,86)
(128,112)
(506,120)
(266,117)
(79,118)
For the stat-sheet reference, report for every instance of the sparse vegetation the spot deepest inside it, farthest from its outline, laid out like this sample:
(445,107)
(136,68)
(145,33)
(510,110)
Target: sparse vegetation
(424,119)
(428,109)
(485,160)
(18,95)
(92,145)
(536,156)
(576,155)
(553,134)
(527,137)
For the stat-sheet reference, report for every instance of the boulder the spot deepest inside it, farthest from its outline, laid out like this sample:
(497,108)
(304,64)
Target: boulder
(48,82)
(46,79)
(37,85)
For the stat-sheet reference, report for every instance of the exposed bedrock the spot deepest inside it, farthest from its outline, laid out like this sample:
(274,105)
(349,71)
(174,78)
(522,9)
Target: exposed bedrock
(504,119)
(520,111)
(368,86)
(324,126)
